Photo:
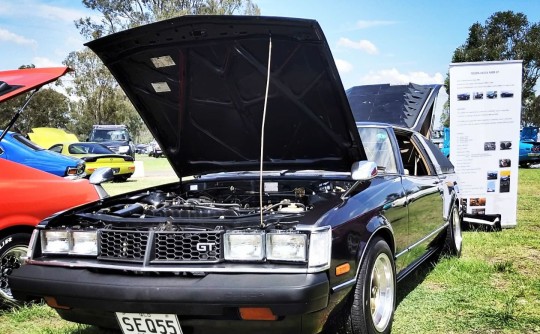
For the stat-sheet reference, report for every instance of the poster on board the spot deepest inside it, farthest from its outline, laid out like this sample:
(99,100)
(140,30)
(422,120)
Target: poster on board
(485,115)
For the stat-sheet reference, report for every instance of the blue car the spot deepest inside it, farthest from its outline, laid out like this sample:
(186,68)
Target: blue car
(529,147)
(15,147)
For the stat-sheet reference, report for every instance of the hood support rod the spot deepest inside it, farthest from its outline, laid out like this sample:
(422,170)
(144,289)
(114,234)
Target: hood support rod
(16,116)
(262,130)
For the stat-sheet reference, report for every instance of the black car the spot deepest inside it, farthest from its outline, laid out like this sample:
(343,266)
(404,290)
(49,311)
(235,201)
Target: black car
(299,217)
(115,137)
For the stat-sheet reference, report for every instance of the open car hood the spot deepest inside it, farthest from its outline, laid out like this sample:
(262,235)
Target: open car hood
(47,137)
(199,84)
(16,82)
(408,106)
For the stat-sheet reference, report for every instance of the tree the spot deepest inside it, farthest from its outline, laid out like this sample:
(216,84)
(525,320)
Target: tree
(99,98)
(47,108)
(119,15)
(507,36)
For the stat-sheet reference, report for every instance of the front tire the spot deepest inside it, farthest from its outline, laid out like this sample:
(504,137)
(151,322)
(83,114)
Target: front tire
(374,297)
(454,239)
(12,249)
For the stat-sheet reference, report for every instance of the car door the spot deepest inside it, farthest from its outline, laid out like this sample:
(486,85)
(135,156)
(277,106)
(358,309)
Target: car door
(424,189)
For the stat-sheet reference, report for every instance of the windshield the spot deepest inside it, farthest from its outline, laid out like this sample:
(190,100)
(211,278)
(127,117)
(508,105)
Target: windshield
(529,133)
(23,140)
(101,135)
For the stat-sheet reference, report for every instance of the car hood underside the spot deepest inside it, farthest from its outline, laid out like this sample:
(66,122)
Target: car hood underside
(199,83)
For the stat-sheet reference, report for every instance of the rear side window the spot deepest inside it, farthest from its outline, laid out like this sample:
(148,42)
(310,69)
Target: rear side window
(440,162)
(378,147)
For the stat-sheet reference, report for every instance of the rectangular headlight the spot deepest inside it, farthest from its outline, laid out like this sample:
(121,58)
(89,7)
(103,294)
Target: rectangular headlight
(244,246)
(84,243)
(69,242)
(54,242)
(286,247)
(320,247)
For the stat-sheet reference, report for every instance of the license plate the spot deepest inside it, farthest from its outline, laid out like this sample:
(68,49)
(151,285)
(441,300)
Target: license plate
(116,170)
(139,323)
(534,154)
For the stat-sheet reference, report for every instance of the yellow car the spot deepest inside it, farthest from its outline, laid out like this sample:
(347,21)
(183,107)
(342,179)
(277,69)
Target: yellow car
(97,155)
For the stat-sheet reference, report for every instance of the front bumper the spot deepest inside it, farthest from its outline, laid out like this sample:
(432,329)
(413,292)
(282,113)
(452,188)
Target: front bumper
(299,300)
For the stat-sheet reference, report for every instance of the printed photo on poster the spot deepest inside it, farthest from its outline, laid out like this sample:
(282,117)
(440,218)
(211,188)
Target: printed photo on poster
(505,181)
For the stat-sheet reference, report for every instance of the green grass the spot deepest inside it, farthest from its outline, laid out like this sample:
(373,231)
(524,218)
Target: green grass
(493,288)
(156,171)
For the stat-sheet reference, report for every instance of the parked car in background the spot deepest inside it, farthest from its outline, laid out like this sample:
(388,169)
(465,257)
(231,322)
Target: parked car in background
(155,150)
(142,148)
(115,137)
(16,147)
(529,147)
(96,156)
(29,195)
(309,231)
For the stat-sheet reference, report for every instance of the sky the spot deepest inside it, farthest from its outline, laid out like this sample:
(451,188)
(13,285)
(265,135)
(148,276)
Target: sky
(372,41)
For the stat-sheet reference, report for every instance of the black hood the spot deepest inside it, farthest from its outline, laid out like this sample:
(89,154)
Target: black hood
(199,84)
(408,106)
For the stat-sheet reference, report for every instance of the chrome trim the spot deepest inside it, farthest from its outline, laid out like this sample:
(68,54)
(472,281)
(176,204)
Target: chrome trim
(220,268)
(344,285)
(408,249)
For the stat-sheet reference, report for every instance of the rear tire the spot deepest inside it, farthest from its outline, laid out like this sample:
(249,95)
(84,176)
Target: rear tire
(12,248)
(454,240)
(122,178)
(374,296)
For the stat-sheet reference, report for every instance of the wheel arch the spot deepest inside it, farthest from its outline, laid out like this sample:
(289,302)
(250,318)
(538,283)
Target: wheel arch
(378,226)
(28,229)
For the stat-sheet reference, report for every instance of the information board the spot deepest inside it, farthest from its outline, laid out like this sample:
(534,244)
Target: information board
(485,114)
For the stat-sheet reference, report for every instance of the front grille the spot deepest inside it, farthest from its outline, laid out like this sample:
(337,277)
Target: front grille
(123,245)
(188,247)
(161,247)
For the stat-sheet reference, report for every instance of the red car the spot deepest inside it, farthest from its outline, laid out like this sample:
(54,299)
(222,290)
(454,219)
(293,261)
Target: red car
(29,195)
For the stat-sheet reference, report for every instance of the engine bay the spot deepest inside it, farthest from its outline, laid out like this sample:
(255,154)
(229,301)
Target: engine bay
(208,204)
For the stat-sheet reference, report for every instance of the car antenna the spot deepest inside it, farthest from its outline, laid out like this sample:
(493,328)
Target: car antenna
(16,116)
(262,130)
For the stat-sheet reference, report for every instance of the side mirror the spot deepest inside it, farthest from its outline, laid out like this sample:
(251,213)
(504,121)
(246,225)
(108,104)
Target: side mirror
(363,170)
(100,175)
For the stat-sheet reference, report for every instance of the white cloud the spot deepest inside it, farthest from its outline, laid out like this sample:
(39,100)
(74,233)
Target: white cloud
(364,24)
(8,36)
(59,13)
(393,76)
(45,62)
(363,45)
(343,66)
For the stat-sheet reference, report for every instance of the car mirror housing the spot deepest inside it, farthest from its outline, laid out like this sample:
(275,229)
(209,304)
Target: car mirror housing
(101,175)
(363,170)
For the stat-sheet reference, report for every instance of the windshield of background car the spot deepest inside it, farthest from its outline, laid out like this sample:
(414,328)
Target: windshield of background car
(529,133)
(85,148)
(100,135)
(378,147)
(23,140)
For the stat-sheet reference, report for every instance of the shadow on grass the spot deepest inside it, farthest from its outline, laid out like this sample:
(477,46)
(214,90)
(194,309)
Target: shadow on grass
(416,277)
